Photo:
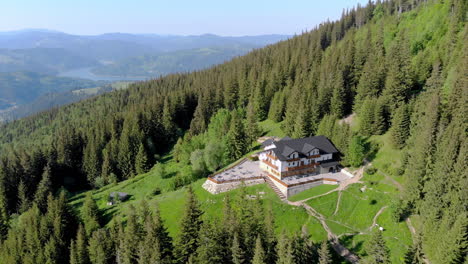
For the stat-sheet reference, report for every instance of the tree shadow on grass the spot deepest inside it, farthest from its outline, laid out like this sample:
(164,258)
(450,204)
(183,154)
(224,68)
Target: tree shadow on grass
(347,241)
(371,149)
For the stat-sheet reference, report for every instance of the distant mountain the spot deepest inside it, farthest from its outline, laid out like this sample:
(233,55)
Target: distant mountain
(178,61)
(43,60)
(116,46)
(23,87)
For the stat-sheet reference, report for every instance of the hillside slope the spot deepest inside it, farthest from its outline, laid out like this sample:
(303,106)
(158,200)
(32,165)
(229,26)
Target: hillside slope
(400,66)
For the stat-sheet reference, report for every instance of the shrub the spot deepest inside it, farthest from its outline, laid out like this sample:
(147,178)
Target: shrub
(156,191)
(371,170)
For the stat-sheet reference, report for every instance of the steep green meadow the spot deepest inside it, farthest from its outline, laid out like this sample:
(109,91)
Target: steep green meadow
(351,222)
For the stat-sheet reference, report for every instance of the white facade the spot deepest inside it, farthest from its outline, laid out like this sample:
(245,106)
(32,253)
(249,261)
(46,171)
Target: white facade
(268,157)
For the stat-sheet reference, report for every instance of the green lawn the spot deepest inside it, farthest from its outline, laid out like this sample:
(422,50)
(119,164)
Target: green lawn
(321,189)
(271,128)
(325,204)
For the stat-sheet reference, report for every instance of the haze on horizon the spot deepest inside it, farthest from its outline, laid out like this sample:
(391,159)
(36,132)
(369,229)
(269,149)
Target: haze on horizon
(184,17)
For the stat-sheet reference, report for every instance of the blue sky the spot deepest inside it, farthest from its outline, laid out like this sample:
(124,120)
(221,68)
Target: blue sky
(178,17)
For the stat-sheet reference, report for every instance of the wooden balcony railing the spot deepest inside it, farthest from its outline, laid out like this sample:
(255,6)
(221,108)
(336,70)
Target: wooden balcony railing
(270,164)
(271,157)
(301,167)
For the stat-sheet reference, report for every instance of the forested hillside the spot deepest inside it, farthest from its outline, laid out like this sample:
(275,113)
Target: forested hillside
(399,65)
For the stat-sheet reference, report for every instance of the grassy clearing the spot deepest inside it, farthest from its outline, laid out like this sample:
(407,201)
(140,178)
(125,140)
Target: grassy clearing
(271,128)
(321,189)
(325,204)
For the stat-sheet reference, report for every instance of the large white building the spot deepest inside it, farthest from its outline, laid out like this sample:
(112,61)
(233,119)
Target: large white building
(292,157)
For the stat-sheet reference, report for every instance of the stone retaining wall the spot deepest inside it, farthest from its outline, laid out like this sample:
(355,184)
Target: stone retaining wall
(216,188)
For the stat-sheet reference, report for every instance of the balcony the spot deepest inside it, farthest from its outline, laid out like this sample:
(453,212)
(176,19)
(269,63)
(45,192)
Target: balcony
(271,157)
(296,168)
(270,164)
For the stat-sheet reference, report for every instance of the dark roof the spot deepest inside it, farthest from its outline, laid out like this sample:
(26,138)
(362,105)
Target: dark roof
(119,194)
(329,164)
(267,142)
(303,145)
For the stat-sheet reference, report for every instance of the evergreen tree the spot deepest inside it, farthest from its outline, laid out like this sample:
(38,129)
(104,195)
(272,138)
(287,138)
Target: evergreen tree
(302,124)
(130,239)
(141,160)
(236,251)
(23,201)
(376,249)
(399,131)
(337,104)
(284,250)
(324,253)
(188,240)
(399,81)
(356,151)
(100,247)
(236,141)
(44,189)
(4,217)
(259,253)
(90,214)
(79,252)
(414,255)
(252,129)
(366,114)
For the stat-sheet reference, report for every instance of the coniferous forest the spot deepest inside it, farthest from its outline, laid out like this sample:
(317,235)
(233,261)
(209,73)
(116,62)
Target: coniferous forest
(400,66)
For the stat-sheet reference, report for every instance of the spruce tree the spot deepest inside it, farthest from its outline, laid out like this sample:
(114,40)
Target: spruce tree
(366,117)
(23,200)
(4,217)
(100,247)
(337,104)
(324,253)
(43,189)
(188,239)
(259,253)
(79,252)
(90,214)
(284,250)
(236,251)
(236,141)
(141,160)
(399,131)
(252,129)
(376,249)
(399,81)
(355,154)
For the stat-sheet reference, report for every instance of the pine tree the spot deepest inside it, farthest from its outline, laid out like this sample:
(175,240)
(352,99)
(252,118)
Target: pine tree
(90,214)
(399,131)
(376,249)
(23,201)
(100,247)
(324,253)
(141,160)
(367,118)
(188,240)
(355,154)
(79,252)
(399,81)
(259,253)
(4,217)
(284,250)
(337,104)
(43,189)
(236,141)
(130,239)
(252,129)
(236,251)
(302,125)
